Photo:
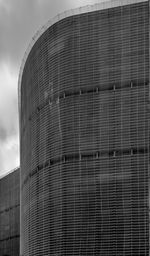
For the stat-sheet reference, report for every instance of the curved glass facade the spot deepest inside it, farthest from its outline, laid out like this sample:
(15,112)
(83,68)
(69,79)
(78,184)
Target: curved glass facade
(10,214)
(84,135)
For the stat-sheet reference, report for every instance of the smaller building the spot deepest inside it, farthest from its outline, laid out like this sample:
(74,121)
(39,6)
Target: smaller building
(10,213)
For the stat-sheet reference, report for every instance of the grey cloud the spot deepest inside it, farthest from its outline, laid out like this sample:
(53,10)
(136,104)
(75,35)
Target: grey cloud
(3,134)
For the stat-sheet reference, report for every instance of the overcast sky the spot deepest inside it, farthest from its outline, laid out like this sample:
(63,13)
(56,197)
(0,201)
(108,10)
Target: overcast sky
(19,21)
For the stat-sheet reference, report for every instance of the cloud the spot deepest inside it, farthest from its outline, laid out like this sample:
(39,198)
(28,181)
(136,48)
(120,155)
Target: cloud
(9,156)
(8,101)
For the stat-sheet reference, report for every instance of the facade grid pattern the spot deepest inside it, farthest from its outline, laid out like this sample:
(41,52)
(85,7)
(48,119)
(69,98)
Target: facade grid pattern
(84,136)
(10,214)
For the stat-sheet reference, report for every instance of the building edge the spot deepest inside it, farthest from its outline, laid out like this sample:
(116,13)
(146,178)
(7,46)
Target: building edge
(9,172)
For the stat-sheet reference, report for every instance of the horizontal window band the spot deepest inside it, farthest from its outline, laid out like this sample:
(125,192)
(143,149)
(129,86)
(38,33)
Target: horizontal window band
(85,90)
(85,156)
(10,208)
(10,237)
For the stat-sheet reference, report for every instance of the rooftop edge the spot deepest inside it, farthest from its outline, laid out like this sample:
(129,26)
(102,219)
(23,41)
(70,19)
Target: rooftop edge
(9,172)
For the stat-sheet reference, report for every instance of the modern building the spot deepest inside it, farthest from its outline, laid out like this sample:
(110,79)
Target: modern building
(10,214)
(84,131)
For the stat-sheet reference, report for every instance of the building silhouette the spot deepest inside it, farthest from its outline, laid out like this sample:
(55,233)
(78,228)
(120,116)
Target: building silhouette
(84,131)
(10,214)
